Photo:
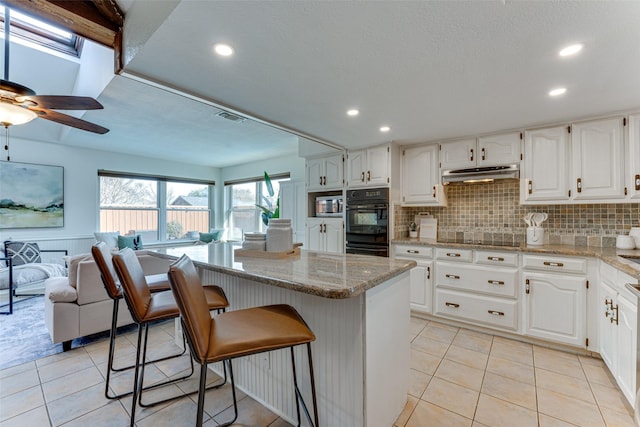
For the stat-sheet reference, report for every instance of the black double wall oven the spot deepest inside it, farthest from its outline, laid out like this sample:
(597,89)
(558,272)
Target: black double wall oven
(367,221)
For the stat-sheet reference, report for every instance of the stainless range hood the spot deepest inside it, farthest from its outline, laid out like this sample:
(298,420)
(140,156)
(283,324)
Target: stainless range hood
(481,174)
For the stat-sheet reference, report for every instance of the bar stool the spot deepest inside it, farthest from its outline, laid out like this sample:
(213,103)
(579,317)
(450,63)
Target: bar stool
(237,333)
(216,300)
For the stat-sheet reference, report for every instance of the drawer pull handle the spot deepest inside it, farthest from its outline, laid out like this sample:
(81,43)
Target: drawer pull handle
(453,254)
(411,251)
(495,258)
(495,282)
(452,304)
(496,313)
(451,276)
(554,264)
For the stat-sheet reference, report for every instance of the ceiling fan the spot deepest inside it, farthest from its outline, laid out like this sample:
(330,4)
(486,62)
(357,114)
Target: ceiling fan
(19,104)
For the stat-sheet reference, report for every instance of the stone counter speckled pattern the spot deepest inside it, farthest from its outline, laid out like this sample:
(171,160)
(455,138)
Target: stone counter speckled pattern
(608,255)
(325,275)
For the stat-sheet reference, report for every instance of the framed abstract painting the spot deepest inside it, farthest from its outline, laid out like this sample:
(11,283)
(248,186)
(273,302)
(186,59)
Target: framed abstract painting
(31,196)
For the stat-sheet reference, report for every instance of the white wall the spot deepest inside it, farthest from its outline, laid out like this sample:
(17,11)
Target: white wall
(81,182)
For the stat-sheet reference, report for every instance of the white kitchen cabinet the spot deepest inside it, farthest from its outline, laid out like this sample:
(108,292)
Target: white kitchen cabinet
(325,173)
(618,327)
(293,204)
(491,150)
(545,173)
(633,148)
(325,235)
(421,277)
(421,177)
(597,149)
(370,167)
(555,298)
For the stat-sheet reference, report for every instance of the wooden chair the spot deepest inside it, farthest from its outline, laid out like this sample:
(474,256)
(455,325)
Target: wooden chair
(237,333)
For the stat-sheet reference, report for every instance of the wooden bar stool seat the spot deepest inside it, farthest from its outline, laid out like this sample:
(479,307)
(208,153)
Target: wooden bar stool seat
(237,333)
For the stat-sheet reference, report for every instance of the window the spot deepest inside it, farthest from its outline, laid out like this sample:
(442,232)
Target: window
(157,208)
(242,198)
(43,34)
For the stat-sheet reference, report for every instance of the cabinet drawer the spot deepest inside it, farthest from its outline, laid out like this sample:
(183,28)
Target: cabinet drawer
(492,281)
(465,255)
(496,258)
(413,251)
(476,308)
(552,263)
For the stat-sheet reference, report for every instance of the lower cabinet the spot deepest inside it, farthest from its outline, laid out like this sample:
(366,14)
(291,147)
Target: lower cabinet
(421,277)
(618,328)
(325,235)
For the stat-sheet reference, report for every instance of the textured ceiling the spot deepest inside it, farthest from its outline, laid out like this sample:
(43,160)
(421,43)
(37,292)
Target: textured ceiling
(429,69)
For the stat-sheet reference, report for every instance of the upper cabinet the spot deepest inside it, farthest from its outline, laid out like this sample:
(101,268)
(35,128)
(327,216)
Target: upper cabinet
(545,172)
(584,163)
(492,150)
(325,173)
(597,148)
(370,167)
(421,176)
(633,146)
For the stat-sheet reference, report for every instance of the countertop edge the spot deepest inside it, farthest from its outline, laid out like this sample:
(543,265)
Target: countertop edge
(608,255)
(354,291)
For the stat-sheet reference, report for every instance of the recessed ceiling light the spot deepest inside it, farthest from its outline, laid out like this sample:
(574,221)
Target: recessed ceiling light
(571,50)
(223,49)
(385,129)
(353,112)
(558,91)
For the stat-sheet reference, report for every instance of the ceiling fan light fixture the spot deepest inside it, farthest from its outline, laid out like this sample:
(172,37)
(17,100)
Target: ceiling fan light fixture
(15,115)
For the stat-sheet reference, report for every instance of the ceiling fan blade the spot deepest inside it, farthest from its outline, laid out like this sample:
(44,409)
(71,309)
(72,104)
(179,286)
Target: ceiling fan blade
(60,102)
(69,120)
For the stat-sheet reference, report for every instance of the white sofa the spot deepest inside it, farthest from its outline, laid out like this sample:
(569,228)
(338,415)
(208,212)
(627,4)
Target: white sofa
(78,305)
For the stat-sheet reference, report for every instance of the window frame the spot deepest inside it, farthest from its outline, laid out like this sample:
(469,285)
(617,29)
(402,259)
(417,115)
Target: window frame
(161,197)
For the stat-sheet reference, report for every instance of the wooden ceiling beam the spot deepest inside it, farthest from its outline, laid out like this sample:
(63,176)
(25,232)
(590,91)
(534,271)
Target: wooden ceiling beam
(97,20)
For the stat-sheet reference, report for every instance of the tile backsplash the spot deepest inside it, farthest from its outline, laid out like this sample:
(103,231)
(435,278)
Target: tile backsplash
(492,213)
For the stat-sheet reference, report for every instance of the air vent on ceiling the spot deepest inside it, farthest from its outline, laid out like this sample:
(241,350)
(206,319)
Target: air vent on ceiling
(232,117)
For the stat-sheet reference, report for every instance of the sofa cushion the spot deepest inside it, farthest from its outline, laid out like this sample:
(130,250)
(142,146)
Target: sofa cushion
(110,238)
(58,289)
(73,268)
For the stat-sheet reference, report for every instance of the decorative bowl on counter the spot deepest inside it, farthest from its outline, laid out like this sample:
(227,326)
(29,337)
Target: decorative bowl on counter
(625,242)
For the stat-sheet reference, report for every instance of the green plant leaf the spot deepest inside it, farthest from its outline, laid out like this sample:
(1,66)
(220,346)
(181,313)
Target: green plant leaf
(267,181)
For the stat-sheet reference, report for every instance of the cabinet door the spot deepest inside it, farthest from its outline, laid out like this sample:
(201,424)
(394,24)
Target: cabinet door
(545,173)
(633,147)
(333,234)
(334,172)
(627,330)
(420,175)
(499,149)
(315,240)
(315,172)
(422,287)
(378,166)
(357,168)
(606,330)
(598,165)
(555,307)
(458,154)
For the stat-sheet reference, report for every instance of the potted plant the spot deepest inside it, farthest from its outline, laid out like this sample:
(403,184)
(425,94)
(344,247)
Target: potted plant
(269,211)
(413,230)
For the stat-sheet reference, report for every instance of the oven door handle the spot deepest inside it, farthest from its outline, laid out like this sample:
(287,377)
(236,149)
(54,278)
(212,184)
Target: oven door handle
(352,207)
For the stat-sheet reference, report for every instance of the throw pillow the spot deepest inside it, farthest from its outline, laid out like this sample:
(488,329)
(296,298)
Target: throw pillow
(133,242)
(110,238)
(206,237)
(73,267)
(22,252)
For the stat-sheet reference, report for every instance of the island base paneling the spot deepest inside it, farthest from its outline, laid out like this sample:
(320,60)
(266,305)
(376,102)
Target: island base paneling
(361,345)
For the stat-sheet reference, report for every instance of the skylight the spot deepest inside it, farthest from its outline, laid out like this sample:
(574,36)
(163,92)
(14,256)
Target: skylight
(42,33)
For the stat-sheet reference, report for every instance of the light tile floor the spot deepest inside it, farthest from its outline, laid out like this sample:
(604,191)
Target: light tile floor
(459,378)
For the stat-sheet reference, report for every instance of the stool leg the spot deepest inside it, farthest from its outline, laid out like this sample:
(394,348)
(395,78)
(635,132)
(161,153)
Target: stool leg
(299,398)
(313,385)
(235,401)
(201,392)
(112,339)
(295,386)
(137,380)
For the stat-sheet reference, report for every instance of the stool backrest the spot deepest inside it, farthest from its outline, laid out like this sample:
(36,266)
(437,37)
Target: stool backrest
(102,256)
(192,302)
(134,284)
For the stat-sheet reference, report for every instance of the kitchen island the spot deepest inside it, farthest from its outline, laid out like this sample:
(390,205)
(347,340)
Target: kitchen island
(358,308)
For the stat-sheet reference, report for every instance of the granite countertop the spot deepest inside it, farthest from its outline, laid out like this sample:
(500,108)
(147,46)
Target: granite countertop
(322,274)
(608,255)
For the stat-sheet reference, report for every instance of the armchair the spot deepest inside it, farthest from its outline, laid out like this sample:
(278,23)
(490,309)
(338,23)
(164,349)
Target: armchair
(25,270)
